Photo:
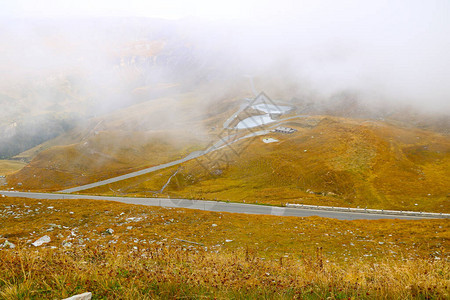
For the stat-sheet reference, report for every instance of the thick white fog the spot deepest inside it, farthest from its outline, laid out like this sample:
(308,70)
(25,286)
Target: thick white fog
(392,50)
(63,62)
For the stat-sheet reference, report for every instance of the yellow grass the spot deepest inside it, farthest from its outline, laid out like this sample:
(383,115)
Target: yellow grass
(347,163)
(143,135)
(328,161)
(102,156)
(179,253)
(10,166)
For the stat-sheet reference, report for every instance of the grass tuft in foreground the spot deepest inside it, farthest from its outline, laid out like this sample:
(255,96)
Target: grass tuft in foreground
(121,251)
(165,271)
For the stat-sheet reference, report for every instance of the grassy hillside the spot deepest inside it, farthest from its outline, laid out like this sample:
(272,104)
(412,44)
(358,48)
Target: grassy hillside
(102,156)
(10,166)
(328,161)
(338,162)
(143,135)
(177,253)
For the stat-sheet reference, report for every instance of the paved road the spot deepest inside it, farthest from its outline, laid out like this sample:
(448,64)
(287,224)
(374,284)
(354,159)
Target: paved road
(227,141)
(220,206)
(133,174)
(218,145)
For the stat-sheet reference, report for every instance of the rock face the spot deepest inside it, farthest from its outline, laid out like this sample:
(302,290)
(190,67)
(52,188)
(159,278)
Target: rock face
(84,296)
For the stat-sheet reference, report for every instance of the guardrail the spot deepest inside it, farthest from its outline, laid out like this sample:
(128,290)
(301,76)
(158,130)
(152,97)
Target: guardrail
(371,211)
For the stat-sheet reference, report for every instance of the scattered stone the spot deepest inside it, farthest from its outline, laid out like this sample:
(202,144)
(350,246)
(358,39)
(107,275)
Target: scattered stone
(269,140)
(129,227)
(84,296)
(55,225)
(109,231)
(43,240)
(228,241)
(214,225)
(67,244)
(217,172)
(8,244)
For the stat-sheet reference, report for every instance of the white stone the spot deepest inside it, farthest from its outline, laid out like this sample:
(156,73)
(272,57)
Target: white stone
(8,244)
(84,296)
(43,240)
(270,140)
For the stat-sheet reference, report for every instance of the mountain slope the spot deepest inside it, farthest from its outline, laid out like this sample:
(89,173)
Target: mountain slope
(142,135)
(340,161)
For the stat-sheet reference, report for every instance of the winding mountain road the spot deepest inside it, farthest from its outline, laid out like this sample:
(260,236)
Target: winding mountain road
(134,174)
(222,143)
(225,207)
(289,210)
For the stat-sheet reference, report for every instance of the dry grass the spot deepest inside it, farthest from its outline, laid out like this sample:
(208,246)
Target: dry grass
(240,256)
(329,161)
(10,166)
(340,162)
(143,135)
(105,155)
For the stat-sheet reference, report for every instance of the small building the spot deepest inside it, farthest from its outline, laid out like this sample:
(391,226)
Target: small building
(286,130)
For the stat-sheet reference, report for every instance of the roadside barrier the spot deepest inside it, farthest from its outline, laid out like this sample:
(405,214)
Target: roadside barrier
(371,211)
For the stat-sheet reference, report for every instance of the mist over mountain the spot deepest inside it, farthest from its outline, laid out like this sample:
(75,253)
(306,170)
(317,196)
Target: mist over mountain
(351,61)
(224,149)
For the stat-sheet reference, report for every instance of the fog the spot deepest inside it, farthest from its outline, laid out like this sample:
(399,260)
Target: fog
(86,56)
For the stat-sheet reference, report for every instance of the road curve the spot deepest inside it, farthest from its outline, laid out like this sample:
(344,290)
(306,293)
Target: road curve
(219,206)
(227,141)
(192,155)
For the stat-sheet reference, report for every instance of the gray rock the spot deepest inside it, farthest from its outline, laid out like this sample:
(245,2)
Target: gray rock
(84,296)
(8,244)
(66,244)
(43,240)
